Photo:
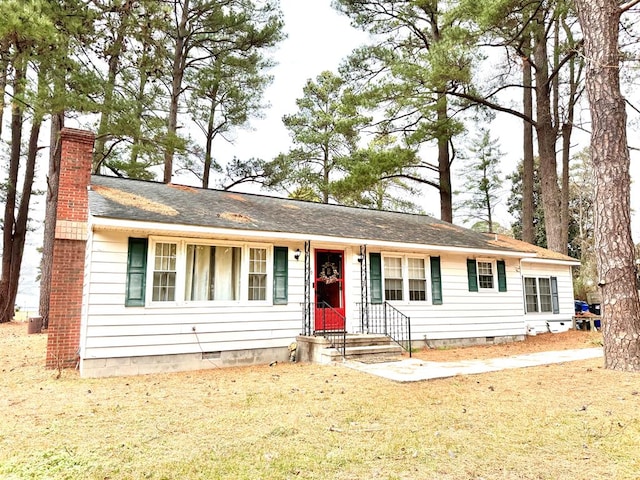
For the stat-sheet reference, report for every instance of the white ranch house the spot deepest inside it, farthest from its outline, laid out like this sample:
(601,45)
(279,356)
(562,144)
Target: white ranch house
(178,278)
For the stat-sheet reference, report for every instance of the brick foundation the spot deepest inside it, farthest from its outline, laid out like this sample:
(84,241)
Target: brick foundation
(65,304)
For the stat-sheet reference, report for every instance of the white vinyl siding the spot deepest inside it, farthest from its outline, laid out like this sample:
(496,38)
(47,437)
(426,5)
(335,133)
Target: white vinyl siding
(111,329)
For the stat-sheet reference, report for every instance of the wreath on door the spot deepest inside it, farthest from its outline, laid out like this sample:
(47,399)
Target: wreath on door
(329,272)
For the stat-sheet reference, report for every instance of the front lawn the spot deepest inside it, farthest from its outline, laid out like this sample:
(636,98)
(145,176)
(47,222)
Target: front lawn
(567,421)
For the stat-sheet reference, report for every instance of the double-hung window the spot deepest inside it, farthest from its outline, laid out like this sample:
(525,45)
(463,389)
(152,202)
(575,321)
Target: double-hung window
(164,272)
(402,277)
(485,275)
(541,295)
(417,279)
(393,285)
(257,274)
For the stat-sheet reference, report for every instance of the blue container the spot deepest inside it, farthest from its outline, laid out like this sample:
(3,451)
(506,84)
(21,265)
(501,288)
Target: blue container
(581,306)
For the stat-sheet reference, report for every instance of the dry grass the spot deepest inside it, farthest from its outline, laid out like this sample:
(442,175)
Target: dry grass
(567,421)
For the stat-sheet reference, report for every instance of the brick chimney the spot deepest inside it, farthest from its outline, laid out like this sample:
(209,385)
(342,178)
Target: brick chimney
(65,305)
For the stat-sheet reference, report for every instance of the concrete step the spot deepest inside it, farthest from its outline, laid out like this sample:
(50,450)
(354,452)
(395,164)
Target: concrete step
(362,352)
(366,339)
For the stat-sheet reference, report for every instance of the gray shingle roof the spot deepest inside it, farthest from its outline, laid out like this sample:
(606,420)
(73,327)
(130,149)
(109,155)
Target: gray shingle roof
(128,199)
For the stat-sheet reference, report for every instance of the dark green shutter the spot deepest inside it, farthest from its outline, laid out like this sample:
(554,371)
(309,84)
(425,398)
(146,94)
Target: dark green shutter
(136,272)
(554,295)
(375,277)
(502,276)
(472,274)
(436,281)
(280,275)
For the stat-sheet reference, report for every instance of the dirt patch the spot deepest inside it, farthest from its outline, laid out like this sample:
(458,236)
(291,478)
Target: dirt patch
(132,200)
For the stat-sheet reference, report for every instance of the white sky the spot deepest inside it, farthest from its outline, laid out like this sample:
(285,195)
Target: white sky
(318,39)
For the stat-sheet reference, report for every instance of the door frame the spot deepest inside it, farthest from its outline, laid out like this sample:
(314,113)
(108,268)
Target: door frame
(335,321)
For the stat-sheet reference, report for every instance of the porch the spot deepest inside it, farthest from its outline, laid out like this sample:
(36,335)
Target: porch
(382,333)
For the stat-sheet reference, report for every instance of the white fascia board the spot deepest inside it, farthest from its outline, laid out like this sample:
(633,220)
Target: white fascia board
(104,223)
(551,261)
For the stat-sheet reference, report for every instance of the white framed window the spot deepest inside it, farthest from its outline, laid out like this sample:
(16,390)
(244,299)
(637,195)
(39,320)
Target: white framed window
(539,296)
(405,278)
(417,279)
(393,278)
(257,274)
(485,275)
(190,271)
(531,295)
(164,272)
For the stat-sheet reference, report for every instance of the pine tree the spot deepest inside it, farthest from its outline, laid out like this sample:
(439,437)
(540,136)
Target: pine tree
(482,182)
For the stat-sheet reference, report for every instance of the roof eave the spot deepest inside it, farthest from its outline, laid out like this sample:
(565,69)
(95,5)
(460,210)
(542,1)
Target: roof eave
(573,263)
(105,223)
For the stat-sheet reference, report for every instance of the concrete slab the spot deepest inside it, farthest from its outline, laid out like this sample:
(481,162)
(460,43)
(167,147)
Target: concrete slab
(415,370)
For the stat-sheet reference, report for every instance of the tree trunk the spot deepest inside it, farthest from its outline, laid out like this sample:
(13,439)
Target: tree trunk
(613,243)
(4,67)
(528,233)
(208,157)
(6,305)
(444,164)
(22,218)
(53,176)
(136,131)
(177,74)
(549,187)
(575,74)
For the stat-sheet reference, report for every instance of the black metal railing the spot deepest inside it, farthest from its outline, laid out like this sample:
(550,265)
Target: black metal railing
(385,319)
(329,323)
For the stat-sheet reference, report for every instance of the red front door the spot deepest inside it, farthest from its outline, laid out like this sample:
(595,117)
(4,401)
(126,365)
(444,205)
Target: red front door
(329,287)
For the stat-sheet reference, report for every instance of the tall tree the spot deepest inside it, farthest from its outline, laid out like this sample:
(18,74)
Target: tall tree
(418,54)
(615,259)
(129,54)
(28,36)
(516,208)
(226,93)
(117,36)
(528,234)
(541,34)
(482,182)
(325,132)
(202,32)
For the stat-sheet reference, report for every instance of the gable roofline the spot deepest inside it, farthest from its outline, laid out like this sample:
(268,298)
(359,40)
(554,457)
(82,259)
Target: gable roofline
(542,255)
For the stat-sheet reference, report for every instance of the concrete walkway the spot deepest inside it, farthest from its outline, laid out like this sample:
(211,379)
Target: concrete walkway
(415,370)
